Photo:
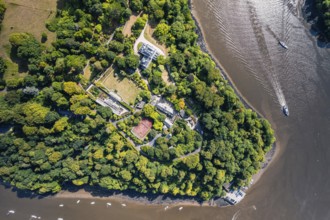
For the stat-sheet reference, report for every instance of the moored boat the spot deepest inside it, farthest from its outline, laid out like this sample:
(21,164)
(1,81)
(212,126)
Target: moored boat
(283,44)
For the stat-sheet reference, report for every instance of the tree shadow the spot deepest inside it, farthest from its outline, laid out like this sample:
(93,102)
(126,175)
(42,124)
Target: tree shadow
(150,198)
(97,191)
(23,193)
(313,17)
(22,64)
(60,4)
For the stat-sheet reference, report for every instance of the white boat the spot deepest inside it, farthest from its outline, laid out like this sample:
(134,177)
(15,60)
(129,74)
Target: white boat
(92,203)
(285,110)
(180,208)
(283,44)
(109,204)
(123,204)
(10,212)
(78,201)
(60,205)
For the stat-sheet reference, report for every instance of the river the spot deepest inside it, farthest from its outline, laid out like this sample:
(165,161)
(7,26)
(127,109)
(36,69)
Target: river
(244,35)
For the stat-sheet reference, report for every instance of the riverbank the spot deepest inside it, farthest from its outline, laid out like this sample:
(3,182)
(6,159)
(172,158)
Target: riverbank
(269,157)
(129,196)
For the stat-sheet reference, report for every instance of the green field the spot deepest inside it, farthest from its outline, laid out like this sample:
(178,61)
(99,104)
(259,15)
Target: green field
(124,87)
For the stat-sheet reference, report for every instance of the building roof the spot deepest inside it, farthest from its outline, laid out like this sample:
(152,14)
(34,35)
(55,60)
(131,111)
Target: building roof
(182,113)
(166,108)
(191,123)
(145,61)
(140,105)
(168,123)
(116,108)
(234,196)
(148,53)
(154,100)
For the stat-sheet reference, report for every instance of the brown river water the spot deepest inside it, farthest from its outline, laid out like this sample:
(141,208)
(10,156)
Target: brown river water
(244,35)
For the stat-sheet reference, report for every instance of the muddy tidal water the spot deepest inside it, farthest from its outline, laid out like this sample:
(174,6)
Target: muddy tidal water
(243,35)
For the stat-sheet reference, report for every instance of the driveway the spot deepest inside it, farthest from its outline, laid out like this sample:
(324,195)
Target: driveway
(142,39)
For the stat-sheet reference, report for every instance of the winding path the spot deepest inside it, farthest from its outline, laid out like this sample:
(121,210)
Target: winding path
(190,154)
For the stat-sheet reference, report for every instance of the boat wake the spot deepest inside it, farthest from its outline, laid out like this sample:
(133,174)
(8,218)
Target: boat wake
(263,48)
(237,214)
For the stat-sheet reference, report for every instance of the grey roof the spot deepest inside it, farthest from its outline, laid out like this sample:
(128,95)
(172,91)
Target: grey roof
(148,53)
(182,113)
(140,104)
(166,108)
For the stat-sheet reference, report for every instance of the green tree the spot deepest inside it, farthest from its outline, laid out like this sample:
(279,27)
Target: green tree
(71,88)
(132,61)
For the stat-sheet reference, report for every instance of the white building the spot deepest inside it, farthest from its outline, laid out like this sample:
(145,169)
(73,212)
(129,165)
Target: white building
(166,108)
(234,196)
(116,108)
(148,53)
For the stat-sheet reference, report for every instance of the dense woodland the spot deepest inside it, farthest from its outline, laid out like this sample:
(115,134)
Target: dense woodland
(324,7)
(60,135)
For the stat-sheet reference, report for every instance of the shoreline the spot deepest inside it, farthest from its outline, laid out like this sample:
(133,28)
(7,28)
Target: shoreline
(154,199)
(206,49)
(273,152)
(133,197)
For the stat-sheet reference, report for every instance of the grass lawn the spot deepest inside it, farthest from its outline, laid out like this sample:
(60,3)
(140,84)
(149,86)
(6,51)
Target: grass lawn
(124,87)
(27,16)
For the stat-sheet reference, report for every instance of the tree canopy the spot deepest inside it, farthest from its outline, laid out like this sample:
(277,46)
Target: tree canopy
(61,135)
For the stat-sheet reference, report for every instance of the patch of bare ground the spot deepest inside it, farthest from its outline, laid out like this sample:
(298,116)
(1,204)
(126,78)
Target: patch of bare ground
(87,72)
(165,76)
(127,30)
